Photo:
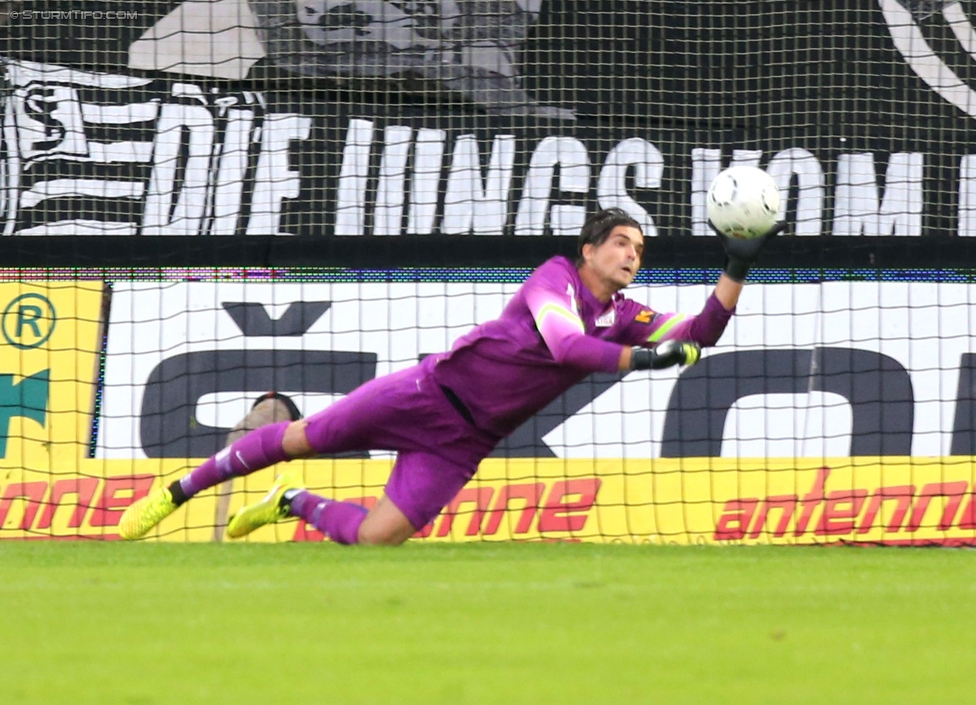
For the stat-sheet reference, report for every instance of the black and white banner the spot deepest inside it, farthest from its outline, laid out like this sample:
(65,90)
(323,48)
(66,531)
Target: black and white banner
(89,153)
(468,48)
(841,66)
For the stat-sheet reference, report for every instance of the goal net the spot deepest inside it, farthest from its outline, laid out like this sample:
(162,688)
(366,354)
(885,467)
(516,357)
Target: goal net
(207,203)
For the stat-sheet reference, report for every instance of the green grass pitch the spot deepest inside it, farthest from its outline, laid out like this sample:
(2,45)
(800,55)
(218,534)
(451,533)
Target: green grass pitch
(137,624)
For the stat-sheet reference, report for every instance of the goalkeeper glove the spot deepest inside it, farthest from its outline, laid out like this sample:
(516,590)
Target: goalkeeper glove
(742,254)
(667,354)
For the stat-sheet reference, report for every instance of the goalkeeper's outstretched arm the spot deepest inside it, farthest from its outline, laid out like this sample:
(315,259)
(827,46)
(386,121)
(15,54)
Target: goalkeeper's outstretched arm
(649,328)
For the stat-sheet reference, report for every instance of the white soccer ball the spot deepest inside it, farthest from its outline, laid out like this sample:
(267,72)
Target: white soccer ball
(743,202)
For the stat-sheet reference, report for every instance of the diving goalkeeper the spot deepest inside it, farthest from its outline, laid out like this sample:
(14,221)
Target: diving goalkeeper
(446,414)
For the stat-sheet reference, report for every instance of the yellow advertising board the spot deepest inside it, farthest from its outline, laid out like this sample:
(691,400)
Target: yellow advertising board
(701,501)
(50,487)
(50,337)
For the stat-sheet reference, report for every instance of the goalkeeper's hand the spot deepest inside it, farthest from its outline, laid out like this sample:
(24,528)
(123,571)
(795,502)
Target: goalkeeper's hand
(667,354)
(742,254)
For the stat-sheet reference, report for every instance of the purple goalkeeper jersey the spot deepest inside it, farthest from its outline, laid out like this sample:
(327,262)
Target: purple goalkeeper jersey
(551,335)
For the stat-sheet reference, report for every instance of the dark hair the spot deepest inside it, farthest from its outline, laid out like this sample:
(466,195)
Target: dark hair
(598,227)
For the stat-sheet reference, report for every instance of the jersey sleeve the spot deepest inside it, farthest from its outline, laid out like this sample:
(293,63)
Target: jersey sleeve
(551,299)
(648,328)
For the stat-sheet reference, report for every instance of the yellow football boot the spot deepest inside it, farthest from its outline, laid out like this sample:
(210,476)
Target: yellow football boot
(144,514)
(269,510)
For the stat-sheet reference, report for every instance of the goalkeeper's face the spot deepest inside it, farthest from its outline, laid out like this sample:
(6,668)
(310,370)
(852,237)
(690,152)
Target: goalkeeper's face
(616,260)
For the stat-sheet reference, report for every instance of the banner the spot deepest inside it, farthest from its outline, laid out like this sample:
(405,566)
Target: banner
(890,501)
(808,370)
(99,154)
(49,357)
(847,66)
(471,50)
(855,424)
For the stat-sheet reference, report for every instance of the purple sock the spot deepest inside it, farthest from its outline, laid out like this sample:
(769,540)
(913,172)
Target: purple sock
(338,520)
(258,449)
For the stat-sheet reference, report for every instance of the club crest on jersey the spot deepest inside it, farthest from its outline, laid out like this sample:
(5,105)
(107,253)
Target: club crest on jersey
(644,316)
(607,319)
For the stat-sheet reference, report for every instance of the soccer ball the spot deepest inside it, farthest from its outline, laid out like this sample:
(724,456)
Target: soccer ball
(743,202)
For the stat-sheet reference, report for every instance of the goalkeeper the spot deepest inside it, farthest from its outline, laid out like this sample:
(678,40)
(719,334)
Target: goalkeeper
(446,414)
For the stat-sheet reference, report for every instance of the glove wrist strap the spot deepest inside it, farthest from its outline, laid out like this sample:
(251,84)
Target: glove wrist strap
(641,359)
(736,269)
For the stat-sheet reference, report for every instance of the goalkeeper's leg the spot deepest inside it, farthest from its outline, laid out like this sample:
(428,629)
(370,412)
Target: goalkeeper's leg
(342,522)
(405,411)
(365,419)
(256,450)
(420,485)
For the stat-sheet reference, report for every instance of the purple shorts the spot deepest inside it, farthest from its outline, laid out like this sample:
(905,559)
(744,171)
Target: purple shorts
(438,451)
